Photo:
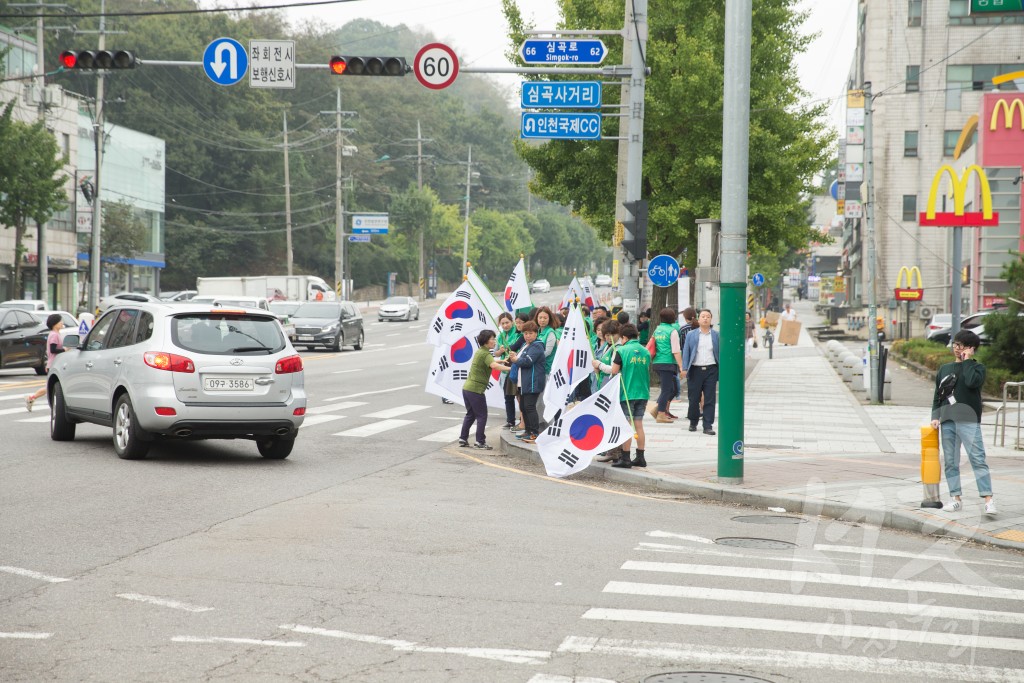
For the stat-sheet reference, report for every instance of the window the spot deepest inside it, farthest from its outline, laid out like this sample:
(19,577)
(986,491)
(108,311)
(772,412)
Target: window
(910,143)
(958,9)
(910,207)
(145,328)
(94,342)
(913,77)
(913,12)
(977,77)
(124,328)
(949,140)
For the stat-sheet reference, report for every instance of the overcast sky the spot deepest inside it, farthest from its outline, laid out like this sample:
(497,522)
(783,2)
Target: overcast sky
(477,32)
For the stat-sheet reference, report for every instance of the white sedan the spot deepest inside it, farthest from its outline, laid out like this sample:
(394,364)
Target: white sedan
(540,286)
(398,308)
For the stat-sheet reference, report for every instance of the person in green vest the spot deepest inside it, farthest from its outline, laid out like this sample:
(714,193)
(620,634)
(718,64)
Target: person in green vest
(547,323)
(509,340)
(667,362)
(632,363)
(643,326)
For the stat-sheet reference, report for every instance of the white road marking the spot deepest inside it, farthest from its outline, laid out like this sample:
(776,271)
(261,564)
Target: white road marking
(443,436)
(45,418)
(914,556)
(408,362)
(827,630)
(25,635)
(13,397)
(32,575)
(314,420)
(502,655)
(369,393)
(375,428)
(396,334)
(813,601)
(687,550)
(12,411)
(334,407)
(698,655)
(416,327)
(554,678)
(398,410)
(342,372)
(370,346)
(682,537)
(238,641)
(834,579)
(162,602)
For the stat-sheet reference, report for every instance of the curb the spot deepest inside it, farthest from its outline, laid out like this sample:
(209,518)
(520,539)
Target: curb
(895,519)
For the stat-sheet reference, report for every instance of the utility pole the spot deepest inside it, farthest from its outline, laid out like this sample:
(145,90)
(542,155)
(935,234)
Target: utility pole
(419,184)
(631,141)
(287,198)
(41,250)
(339,206)
(465,233)
(735,169)
(875,393)
(95,271)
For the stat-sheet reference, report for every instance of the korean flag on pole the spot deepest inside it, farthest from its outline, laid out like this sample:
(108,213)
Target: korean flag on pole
(574,292)
(571,365)
(588,299)
(491,304)
(517,291)
(449,370)
(463,314)
(597,424)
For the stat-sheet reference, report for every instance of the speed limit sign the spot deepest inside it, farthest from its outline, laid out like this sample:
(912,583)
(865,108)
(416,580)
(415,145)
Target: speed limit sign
(436,66)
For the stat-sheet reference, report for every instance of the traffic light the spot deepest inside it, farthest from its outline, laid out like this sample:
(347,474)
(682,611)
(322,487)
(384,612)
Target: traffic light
(636,229)
(97,59)
(368,66)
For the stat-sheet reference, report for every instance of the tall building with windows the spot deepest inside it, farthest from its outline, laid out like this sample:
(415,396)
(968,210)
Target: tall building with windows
(929,63)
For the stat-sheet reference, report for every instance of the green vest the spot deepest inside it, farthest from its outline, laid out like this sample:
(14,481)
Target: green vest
(542,337)
(663,343)
(507,339)
(605,359)
(636,371)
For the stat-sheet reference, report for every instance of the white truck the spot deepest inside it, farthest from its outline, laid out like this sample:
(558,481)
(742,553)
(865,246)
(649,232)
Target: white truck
(273,287)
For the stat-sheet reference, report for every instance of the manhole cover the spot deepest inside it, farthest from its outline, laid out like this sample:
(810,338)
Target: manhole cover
(768,519)
(702,677)
(766,543)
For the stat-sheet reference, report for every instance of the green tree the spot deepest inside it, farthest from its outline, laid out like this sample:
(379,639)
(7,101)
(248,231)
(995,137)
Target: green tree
(31,187)
(124,234)
(1005,330)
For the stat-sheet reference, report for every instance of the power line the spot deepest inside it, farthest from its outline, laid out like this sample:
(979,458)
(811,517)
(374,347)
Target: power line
(169,12)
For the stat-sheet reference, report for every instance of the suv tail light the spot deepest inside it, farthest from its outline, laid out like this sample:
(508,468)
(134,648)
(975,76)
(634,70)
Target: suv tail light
(288,365)
(168,361)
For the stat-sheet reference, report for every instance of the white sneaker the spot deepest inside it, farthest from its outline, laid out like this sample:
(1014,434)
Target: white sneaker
(953,505)
(990,507)
(29,402)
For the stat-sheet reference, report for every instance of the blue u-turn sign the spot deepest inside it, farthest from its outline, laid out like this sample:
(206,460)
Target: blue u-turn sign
(225,61)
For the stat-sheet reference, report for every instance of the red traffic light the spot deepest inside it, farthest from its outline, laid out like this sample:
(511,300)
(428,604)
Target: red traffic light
(368,66)
(97,59)
(68,59)
(338,65)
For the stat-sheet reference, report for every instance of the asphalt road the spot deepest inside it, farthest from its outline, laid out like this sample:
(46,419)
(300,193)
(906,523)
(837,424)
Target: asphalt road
(376,554)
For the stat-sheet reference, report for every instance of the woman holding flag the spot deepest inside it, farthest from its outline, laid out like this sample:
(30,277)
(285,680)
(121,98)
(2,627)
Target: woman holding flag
(473,390)
(632,363)
(509,339)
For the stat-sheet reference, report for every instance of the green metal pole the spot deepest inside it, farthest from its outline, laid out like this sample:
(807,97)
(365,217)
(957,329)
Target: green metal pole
(731,362)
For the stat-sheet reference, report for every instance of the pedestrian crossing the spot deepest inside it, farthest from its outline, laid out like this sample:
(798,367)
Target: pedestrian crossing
(861,614)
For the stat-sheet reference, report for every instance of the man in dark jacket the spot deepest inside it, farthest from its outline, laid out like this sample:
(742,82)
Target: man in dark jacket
(528,365)
(956,412)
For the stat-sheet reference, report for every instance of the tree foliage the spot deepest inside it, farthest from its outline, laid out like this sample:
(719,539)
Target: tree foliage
(1005,329)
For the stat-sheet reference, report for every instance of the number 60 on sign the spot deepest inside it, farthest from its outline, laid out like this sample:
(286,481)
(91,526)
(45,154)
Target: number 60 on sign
(436,66)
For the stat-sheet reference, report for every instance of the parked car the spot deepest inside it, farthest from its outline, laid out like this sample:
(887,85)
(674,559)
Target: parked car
(398,308)
(183,295)
(540,286)
(126,297)
(239,300)
(603,280)
(940,322)
(26,304)
(331,324)
(70,322)
(22,341)
(156,371)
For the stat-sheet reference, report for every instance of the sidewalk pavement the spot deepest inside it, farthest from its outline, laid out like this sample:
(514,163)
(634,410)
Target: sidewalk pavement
(815,447)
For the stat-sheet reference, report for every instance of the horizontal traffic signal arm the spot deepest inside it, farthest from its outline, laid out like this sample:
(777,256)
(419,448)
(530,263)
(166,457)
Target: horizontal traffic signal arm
(97,59)
(368,66)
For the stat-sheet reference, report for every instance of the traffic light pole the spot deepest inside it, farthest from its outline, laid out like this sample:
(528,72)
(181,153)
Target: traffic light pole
(95,253)
(875,391)
(41,250)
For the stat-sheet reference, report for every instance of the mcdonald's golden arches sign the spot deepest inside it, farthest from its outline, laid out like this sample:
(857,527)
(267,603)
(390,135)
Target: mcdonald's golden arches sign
(959,217)
(909,293)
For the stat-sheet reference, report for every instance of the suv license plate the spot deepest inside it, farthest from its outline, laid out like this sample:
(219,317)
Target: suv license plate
(305,337)
(228,384)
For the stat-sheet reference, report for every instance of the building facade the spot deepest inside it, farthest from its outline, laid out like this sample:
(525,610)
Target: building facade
(929,63)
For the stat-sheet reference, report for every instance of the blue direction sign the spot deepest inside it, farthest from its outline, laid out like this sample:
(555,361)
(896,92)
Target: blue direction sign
(225,61)
(578,94)
(663,271)
(358,238)
(560,126)
(547,51)
(757,280)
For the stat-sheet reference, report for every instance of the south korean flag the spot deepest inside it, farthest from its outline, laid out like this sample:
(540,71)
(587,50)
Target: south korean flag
(589,300)
(463,314)
(572,364)
(517,291)
(596,425)
(449,370)
(573,294)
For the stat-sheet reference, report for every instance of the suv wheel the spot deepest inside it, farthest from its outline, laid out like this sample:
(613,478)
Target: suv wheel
(128,443)
(275,447)
(359,342)
(338,342)
(61,428)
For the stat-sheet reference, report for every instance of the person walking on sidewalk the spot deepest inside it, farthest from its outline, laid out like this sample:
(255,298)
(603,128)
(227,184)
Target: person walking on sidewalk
(750,342)
(956,413)
(529,364)
(475,386)
(633,363)
(667,362)
(700,367)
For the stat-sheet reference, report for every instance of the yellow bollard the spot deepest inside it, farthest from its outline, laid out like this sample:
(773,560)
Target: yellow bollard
(931,471)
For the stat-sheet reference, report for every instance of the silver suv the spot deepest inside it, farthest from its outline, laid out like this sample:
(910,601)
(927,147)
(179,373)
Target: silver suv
(184,371)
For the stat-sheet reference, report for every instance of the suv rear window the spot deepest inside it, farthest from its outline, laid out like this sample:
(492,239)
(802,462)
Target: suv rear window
(223,333)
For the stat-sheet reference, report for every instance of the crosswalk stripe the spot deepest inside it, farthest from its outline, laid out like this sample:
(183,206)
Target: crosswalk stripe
(13,397)
(12,411)
(923,610)
(555,678)
(827,630)
(313,420)
(944,559)
(688,550)
(862,582)
(333,407)
(375,428)
(878,667)
(443,436)
(682,537)
(45,418)
(398,410)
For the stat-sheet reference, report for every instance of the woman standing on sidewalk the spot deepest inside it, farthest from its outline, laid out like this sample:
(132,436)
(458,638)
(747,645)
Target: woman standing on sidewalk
(509,340)
(473,390)
(547,324)
(667,362)
(529,364)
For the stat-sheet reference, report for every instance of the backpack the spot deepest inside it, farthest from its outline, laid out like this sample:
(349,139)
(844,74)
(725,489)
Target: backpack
(946,386)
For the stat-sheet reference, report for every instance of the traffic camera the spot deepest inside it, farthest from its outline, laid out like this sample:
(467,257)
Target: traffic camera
(368,66)
(636,229)
(97,59)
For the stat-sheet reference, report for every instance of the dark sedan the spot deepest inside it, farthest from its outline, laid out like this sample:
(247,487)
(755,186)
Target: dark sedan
(332,324)
(22,341)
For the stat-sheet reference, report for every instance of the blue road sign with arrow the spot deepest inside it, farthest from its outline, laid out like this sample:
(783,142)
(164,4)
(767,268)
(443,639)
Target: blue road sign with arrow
(358,238)
(225,61)
(547,51)
(663,271)
(757,280)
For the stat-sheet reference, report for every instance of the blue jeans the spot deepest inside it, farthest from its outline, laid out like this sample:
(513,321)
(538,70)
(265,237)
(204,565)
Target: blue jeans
(969,434)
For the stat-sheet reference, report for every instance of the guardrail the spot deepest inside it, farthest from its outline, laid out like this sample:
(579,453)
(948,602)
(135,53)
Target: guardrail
(1001,410)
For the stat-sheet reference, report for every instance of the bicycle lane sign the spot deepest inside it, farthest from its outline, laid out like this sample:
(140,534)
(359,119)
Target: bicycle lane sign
(663,271)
